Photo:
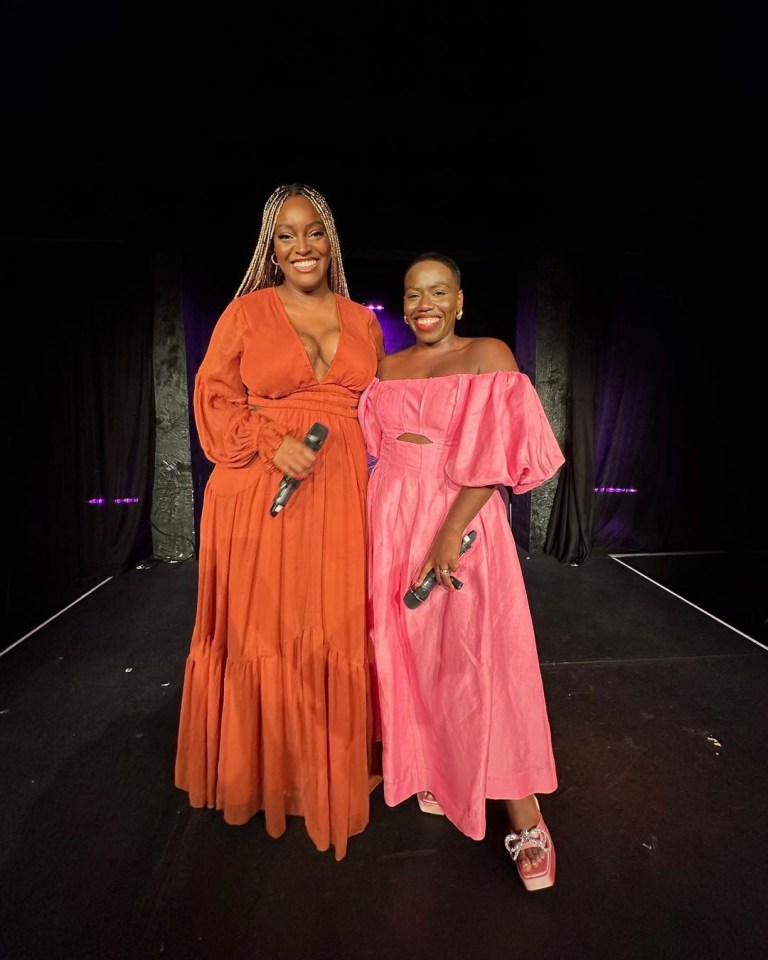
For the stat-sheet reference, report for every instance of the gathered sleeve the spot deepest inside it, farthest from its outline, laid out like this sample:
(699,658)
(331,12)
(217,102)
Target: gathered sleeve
(502,435)
(377,336)
(231,434)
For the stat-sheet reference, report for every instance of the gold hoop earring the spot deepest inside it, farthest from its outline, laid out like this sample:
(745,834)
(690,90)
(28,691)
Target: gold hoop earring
(273,260)
(460,314)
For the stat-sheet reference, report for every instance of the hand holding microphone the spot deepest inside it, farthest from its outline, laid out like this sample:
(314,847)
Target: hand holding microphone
(315,438)
(417,595)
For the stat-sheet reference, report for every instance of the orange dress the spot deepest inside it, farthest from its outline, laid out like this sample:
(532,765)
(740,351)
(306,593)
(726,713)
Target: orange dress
(276,706)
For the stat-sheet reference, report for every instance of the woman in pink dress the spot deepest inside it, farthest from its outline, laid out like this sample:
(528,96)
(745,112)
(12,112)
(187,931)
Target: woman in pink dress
(463,714)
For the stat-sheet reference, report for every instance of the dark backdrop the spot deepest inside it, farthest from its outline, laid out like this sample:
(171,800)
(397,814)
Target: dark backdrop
(79,421)
(631,148)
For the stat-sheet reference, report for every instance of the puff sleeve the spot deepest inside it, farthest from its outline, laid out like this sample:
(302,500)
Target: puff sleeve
(231,434)
(502,435)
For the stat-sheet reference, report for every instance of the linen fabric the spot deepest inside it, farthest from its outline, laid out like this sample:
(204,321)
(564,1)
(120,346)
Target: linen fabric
(276,704)
(463,712)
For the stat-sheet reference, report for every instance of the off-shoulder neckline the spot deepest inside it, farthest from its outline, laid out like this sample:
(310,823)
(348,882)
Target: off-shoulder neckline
(449,376)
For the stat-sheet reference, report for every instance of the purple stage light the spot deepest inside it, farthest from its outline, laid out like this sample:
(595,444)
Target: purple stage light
(397,334)
(100,501)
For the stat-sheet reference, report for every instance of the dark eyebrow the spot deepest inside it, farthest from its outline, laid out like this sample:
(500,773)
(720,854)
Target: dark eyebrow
(432,286)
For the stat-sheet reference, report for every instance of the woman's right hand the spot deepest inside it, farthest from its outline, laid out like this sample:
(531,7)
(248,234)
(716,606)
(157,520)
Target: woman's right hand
(294,458)
(443,557)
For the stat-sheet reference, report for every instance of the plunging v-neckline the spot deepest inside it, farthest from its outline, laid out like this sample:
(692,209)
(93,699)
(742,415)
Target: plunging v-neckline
(284,312)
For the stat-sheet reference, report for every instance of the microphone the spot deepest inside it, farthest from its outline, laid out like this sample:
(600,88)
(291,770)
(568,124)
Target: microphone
(314,439)
(417,595)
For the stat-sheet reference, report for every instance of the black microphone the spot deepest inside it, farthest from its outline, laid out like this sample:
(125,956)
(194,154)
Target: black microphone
(314,439)
(417,595)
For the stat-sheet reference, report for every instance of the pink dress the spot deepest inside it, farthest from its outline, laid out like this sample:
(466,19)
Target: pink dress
(462,704)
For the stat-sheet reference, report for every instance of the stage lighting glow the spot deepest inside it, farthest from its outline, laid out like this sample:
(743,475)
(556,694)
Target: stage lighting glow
(615,490)
(100,501)
(397,335)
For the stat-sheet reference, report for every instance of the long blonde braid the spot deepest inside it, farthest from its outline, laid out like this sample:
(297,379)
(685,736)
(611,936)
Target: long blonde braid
(261,271)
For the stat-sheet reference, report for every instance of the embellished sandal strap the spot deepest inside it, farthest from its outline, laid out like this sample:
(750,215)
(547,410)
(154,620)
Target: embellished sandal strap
(537,837)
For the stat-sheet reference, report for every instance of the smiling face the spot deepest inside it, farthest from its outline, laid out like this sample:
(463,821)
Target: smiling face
(431,300)
(301,244)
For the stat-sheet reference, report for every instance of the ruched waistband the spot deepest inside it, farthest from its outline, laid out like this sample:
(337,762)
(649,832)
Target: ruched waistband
(336,400)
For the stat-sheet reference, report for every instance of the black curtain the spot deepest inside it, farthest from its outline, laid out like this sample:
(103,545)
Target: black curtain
(211,275)
(571,522)
(81,421)
(664,411)
(666,406)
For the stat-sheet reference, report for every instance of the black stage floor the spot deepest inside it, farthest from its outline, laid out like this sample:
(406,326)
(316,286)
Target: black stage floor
(658,714)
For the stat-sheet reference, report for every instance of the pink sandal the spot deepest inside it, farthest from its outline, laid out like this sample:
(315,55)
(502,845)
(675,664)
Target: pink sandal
(428,804)
(543,876)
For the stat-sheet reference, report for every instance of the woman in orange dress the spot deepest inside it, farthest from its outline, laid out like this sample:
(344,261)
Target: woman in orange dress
(276,706)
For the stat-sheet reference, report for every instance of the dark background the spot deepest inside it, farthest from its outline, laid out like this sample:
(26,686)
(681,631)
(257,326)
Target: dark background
(605,139)
(618,135)
(489,132)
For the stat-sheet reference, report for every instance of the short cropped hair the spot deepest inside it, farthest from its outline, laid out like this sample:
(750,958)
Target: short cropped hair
(440,258)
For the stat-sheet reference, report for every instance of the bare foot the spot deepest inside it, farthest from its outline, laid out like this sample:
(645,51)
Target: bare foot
(525,815)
